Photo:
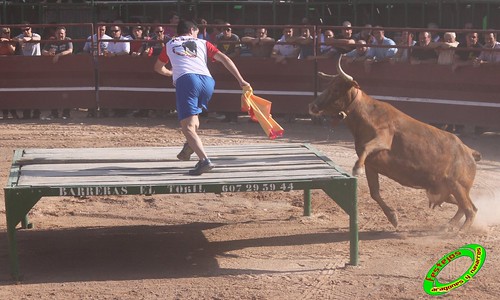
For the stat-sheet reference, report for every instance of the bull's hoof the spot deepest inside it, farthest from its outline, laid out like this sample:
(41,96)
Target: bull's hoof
(393,218)
(357,171)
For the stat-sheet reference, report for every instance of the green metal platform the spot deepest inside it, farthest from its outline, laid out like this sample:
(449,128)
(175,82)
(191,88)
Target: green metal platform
(36,173)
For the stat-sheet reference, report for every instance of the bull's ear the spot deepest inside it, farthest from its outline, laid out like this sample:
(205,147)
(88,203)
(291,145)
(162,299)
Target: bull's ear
(326,76)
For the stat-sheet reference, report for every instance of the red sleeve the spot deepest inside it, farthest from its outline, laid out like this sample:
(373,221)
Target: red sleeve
(163,55)
(211,51)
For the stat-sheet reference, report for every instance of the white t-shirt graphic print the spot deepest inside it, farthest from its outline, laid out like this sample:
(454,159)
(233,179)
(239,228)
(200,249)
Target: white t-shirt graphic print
(188,55)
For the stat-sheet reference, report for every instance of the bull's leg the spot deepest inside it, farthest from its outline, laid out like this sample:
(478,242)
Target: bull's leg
(465,207)
(373,184)
(381,142)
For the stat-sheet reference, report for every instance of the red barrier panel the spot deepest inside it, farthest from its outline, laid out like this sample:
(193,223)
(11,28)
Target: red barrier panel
(130,82)
(37,82)
(290,87)
(432,93)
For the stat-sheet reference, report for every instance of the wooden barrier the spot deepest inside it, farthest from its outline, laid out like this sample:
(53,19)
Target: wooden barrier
(129,82)
(432,93)
(37,82)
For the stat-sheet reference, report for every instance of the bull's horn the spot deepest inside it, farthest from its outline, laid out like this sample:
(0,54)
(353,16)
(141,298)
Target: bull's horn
(341,72)
(326,76)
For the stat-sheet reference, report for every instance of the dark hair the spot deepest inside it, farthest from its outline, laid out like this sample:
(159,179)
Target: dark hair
(185,27)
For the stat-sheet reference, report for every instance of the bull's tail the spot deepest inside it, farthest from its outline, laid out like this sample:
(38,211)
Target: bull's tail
(476,155)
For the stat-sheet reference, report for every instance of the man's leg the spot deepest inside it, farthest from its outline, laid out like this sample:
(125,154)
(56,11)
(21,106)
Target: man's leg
(189,127)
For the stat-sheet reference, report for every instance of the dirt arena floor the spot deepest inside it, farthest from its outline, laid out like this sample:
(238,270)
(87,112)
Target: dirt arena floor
(237,245)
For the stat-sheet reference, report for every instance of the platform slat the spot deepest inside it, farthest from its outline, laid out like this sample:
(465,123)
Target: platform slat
(159,165)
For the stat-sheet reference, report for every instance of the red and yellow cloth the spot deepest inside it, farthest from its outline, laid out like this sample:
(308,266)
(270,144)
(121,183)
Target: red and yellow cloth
(259,110)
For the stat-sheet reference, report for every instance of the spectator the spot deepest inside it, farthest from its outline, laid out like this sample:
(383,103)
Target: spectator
(324,49)
(203,33)
(137,46)
(306,43)
(7,47)
(246,49)
(358,54)
(284,49)
(60,46)
(435,37)
(445,56)
(463,36)
(228,42)
(467,57)
(158,41)
(216,30)
(29,43)
(365,34)
(381,54)
(426,54)
(261,45)
(91,45)
(120,46)
(116,48)
(405,40)
(170,29)
(488,57)
(345,42)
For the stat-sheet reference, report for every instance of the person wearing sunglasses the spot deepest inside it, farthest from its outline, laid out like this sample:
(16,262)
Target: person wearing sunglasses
(29,41)
(194,85)
(29,45)
(228,42)
(157,41)
(117,47)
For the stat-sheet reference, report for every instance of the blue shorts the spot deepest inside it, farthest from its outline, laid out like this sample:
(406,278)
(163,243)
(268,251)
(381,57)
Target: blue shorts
(192,93)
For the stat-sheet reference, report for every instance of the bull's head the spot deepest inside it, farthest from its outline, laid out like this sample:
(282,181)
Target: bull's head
(336,99)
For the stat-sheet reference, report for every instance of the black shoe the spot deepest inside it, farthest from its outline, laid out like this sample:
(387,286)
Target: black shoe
(201,167)
(185,153)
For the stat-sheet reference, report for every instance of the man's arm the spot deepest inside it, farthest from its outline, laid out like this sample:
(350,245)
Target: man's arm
(160,68)
(231,67)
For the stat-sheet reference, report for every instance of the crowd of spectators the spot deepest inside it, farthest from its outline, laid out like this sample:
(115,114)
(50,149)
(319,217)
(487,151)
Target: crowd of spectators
(370,45)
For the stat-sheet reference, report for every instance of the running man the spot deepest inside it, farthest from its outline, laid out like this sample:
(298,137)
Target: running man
(194,85)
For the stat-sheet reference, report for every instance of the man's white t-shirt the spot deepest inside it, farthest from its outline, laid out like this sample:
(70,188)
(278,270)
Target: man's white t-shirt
(188,55)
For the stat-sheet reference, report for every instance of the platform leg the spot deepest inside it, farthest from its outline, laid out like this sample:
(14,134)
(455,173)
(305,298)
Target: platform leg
(25,223)
(353,230)
(307,202)
(13,256)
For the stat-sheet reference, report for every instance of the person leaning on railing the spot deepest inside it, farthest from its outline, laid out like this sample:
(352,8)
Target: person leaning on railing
(491,56)
(7,47)
(29,43)
(60,46)
(91,43)
(261,45)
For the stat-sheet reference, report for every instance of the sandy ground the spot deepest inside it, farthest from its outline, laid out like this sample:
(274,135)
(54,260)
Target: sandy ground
(237,245)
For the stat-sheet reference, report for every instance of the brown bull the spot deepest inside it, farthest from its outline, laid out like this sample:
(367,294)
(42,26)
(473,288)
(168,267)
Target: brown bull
(393,144)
